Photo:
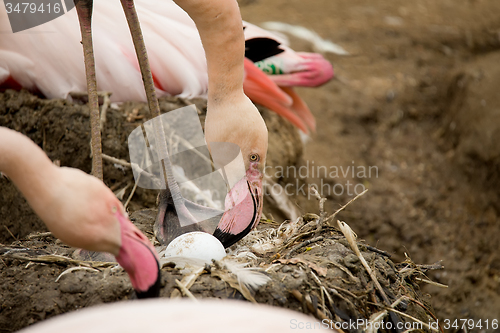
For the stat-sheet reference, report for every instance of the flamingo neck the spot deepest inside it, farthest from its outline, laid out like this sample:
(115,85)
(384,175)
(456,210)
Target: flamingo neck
(138,257)
(221,30)
(25,163)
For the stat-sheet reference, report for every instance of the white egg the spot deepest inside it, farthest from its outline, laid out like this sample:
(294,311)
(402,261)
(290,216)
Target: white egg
(196,245)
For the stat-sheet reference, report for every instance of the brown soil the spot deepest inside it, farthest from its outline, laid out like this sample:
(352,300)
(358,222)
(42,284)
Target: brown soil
(417,99)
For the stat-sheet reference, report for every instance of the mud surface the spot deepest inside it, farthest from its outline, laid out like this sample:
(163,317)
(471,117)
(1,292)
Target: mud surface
(416,104)
(418,98)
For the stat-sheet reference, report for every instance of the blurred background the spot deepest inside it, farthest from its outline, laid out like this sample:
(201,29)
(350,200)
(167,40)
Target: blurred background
(418,98)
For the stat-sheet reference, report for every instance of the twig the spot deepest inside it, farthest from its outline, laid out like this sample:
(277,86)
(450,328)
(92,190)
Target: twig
(328,296)
(269,221)
(344,206)
(105,104)
(336,293)
(435,266)
(79,268)
(116,160)
(187,281)
(44,138)
(351,238)
(127,165)
(320,270)
(298,295)
(321,200)
(301,245)
(396,303)
(56,259)
(6,250)
(10,233)
(120,193)
(185,290)
(437,284)
(323,305)
(334,290)
(132,192)
(374,249)
(136,183)
(345,270)
(427,310)
(291,241)
(318,281)
(410,317)
(323,292)
(40,235)
(322,213)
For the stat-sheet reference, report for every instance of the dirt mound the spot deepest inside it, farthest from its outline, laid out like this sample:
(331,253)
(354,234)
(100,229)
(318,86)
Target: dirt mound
(308,270)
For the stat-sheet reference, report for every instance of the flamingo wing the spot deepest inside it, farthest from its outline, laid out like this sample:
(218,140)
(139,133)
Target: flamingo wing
(48,59)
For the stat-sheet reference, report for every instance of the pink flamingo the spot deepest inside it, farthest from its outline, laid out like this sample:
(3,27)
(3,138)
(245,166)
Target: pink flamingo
(48,59)
(79,210)
(181,315)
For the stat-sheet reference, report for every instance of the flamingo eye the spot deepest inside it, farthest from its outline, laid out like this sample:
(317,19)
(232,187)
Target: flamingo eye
(114,209)
(254,157)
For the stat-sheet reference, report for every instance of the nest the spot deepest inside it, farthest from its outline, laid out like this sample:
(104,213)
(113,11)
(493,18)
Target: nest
(305,265)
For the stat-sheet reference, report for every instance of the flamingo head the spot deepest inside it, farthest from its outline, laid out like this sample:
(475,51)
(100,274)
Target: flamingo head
(243,126)
(103,226)
(139,259)
(243,207)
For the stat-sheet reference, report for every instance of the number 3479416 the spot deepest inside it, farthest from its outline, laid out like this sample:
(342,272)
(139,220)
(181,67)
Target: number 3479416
(32,8)
(470,324)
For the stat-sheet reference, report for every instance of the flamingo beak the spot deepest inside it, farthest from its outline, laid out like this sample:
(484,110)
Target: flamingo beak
(137,251)
(243,208)
(261,89)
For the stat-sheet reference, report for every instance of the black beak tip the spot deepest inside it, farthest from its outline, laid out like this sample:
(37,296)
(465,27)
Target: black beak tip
(154,290)
(226,238)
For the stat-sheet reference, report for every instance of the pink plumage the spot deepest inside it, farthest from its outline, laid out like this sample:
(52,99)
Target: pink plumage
(162,315)
(49,59)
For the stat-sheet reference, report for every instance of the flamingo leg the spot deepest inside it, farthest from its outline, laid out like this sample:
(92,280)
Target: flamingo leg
(166,229)
(142,56)
(147,78)
(84,10)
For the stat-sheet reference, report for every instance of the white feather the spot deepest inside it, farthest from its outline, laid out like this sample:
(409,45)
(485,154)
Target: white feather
(250,277)
(319,44)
